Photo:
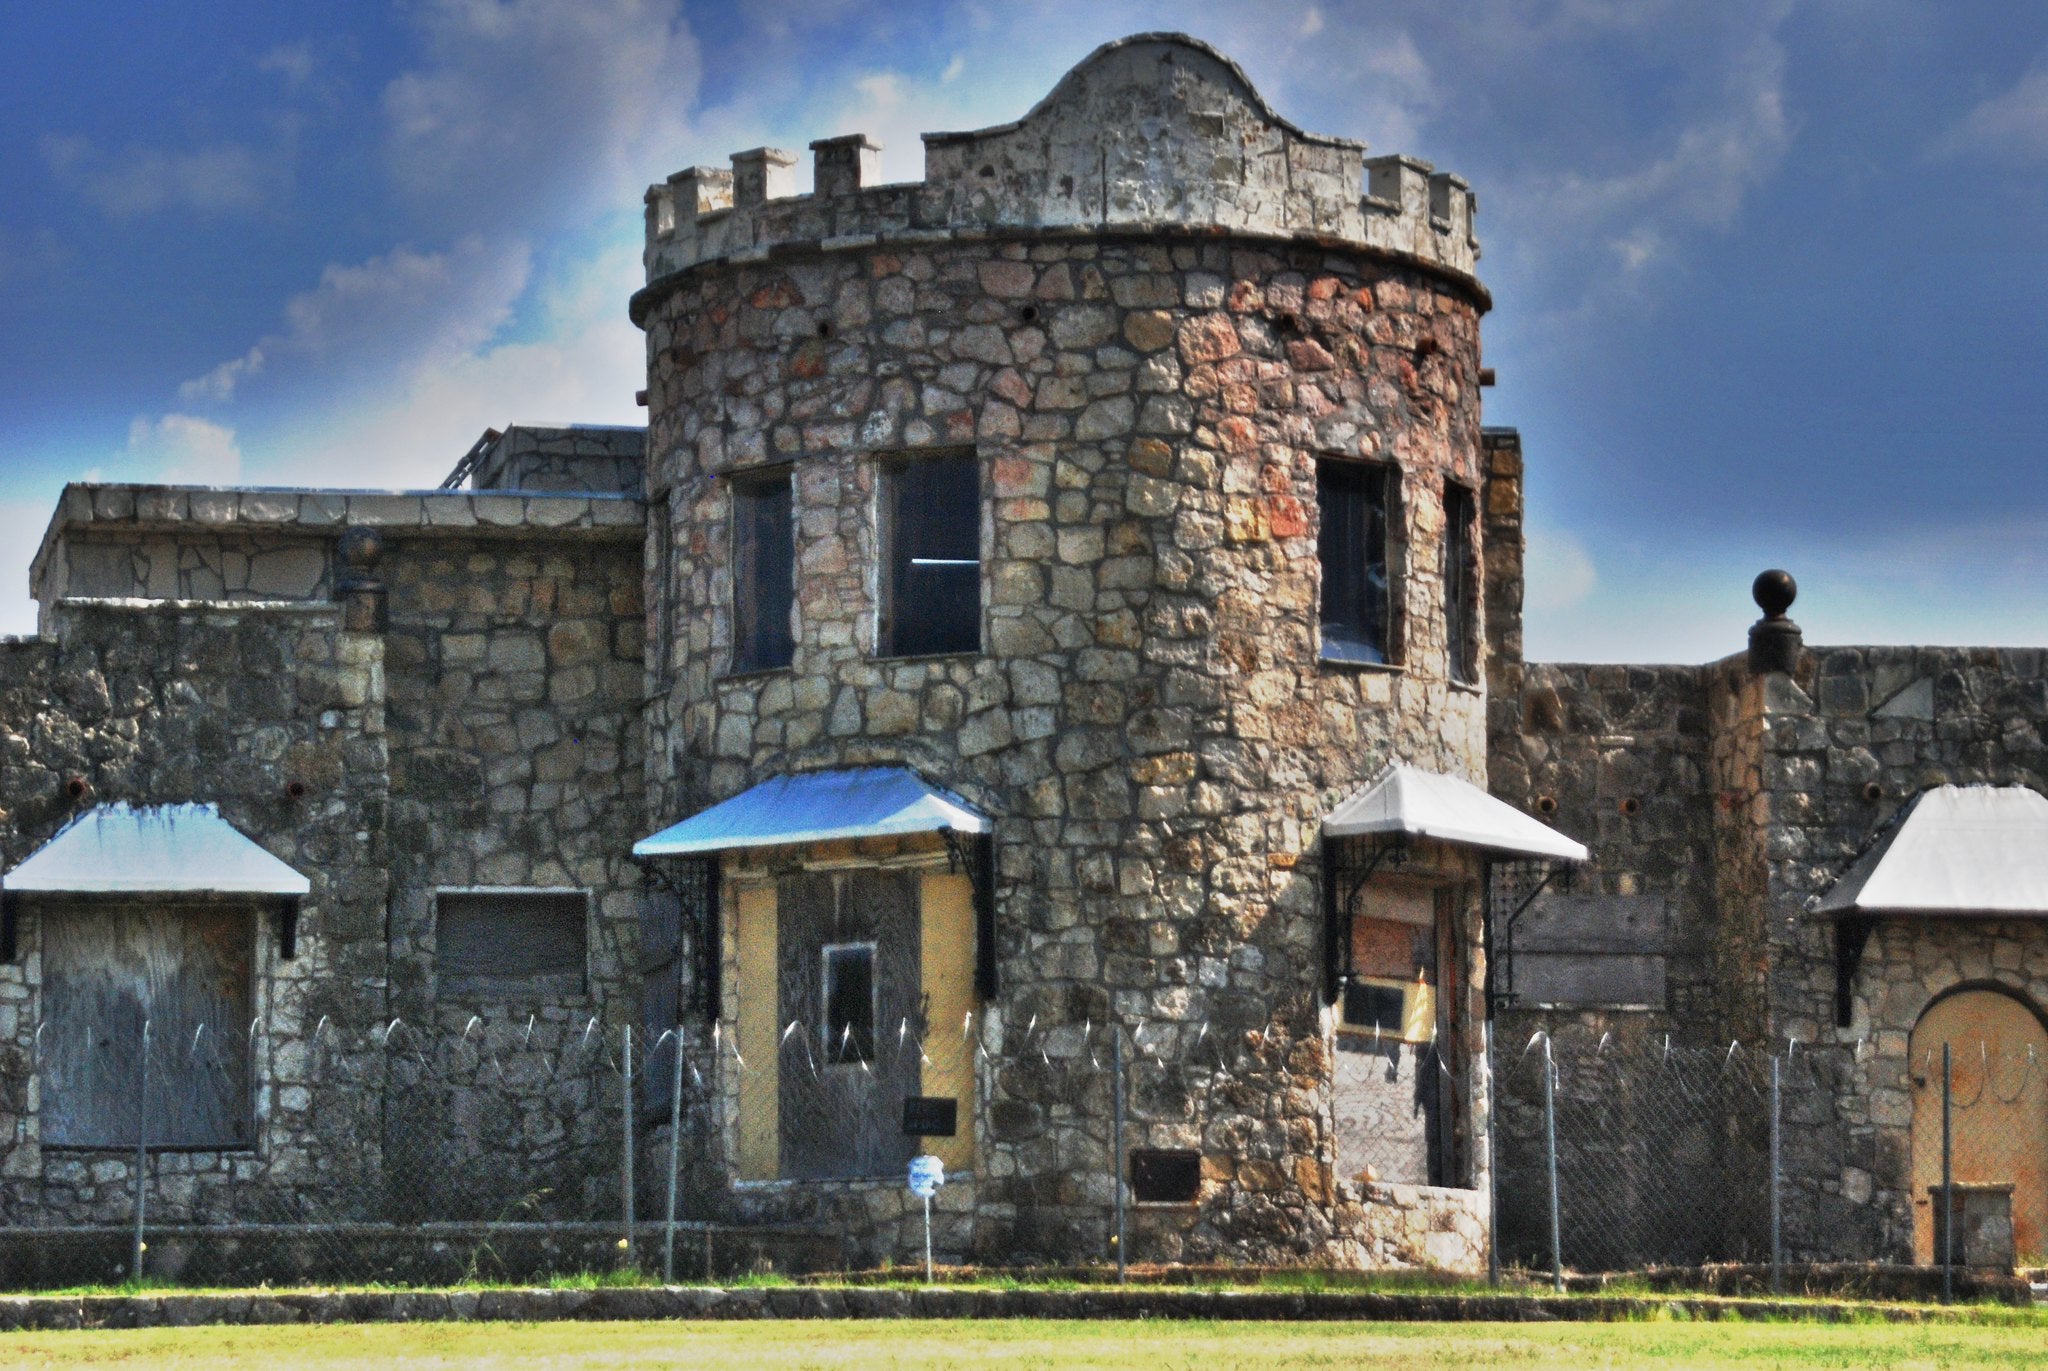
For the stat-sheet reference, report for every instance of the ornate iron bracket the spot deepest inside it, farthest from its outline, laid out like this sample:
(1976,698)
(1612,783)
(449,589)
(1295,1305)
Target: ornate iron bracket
(1337,915)
(975,853)
(1852,935)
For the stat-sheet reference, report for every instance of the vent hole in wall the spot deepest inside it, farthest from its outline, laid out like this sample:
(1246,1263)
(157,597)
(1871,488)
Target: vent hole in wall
(824,328)
(1029,314)
(1546,804)
(1631,806)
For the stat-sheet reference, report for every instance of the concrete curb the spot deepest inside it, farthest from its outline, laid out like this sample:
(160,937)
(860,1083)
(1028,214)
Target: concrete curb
(40,1312)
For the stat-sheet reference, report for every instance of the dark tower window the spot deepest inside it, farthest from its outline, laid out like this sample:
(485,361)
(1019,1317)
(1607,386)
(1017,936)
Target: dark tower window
(1352,547)
(849,983)
(1461,586)
(763,573)
(931,594)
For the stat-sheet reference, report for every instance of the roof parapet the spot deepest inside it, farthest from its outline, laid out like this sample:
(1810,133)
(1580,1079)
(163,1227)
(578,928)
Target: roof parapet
(1149,133)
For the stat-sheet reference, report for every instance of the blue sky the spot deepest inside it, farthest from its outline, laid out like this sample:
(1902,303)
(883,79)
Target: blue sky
(1770,278)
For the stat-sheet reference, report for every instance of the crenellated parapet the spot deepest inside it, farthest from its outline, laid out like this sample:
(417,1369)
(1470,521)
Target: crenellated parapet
(1153,133)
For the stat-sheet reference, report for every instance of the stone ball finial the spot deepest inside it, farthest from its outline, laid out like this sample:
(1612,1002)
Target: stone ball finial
(1774,640)
(1774,591)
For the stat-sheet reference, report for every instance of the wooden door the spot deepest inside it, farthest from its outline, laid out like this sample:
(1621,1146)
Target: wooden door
(1999,1075)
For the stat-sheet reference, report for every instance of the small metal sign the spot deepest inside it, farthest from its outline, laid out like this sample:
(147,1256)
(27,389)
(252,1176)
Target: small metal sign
(927,1174)
(930,1116)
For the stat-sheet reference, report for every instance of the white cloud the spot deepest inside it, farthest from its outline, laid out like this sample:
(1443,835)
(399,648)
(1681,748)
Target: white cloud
(291,63)
(2011,123)
(583,364)
(223,178)
(183,449)
(1558,571)
(1312,22)
(525,106)
(403,307)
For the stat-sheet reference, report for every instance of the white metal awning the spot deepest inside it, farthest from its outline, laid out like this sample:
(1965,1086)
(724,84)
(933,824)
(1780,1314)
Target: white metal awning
(1954,850)
(1407,801)
(817,807)
(183,849)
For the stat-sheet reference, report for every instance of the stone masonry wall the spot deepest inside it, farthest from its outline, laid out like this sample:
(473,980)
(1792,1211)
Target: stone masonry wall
(1147,719)
(166,703)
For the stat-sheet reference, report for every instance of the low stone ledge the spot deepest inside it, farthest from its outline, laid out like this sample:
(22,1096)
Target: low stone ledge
(36,1313)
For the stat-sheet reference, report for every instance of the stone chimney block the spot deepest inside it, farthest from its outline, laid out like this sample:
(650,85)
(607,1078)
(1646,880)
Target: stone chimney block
(843,165)
(762,174)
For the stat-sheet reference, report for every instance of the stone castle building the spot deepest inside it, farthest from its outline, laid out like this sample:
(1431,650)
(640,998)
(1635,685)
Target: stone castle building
(1057,631)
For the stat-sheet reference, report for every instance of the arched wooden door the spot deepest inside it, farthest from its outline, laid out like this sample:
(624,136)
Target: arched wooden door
(1999,1052)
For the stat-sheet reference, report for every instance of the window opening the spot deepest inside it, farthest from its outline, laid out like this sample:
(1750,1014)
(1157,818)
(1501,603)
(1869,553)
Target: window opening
(511,942)
(932,587)
(849,986)
(1351,545)
(764,573)
(1166,1176)
(1461,583)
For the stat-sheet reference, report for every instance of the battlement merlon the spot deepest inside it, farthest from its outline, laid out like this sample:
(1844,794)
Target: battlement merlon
(1154,132)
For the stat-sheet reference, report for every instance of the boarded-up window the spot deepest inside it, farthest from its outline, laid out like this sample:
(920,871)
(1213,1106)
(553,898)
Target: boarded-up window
(186,971)
(763,573)
(932,537)
(1351,546)
(1461,583)
(1589,951)
(524,943)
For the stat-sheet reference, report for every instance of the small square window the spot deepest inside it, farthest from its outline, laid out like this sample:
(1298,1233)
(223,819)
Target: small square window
(1383,1007)
(931,534)
(1166,1176)
(1461,586)
(763,573)
(1351,545)
(849,987)
(524,943)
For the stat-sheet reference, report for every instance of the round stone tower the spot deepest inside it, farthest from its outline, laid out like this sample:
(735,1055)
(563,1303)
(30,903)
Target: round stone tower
(1122,480)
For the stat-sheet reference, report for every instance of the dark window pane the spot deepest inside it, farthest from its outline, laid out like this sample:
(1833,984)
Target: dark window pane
(1461,584)
(510,942)
(763,574)
(1374,1006)
(934,540)
(850,1003)
(1352,547)
(1166,1176)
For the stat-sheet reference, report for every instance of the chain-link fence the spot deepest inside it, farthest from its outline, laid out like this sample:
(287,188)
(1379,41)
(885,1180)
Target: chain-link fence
(1654,1156)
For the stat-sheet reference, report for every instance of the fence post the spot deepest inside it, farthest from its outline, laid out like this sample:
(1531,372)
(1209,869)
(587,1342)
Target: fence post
(675,1134)
(1492,1161)
(1777,1174)
(1116,1086)
(1550,1156)
(1948,1194)
(626,1169)
(141,1158)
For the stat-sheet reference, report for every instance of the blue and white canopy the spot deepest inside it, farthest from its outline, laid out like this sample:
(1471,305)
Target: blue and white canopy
(1409,802)
(183,849)
(818,807)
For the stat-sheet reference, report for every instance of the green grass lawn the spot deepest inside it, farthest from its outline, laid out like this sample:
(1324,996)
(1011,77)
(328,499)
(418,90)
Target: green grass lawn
(904,1345)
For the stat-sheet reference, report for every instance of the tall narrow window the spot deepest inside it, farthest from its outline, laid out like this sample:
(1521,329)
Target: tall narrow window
(1461,587)
(849,983)
(763,573)
(932,536)
(1352,546)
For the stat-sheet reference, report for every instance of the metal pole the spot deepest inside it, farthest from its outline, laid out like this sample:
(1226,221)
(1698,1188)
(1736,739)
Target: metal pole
(1948,1193)
(141,1159)
(1550,1155)
(1777,1199)
(675,1134)
(1492,1163)
(626,1170)
(927,1240)
(1116,1086)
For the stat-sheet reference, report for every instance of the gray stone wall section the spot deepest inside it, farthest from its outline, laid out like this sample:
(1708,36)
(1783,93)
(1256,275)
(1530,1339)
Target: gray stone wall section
(226,704)
(575,458)
(1147,721)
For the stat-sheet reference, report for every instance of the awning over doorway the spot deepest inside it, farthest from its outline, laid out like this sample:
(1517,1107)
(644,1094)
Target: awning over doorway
(1955,850)
(181,849)
(817,807)
(1407,801)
